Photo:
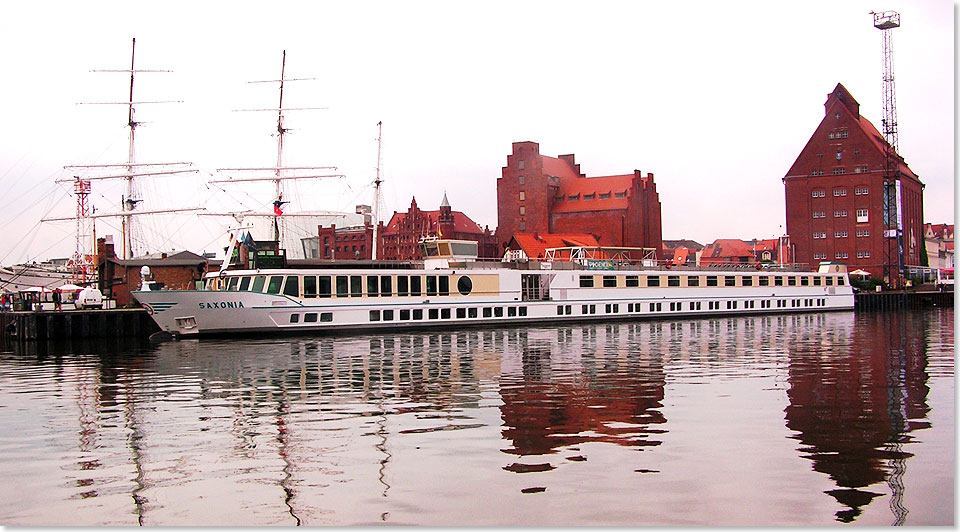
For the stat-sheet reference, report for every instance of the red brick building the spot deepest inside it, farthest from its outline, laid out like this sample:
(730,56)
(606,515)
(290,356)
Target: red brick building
(541,194)
(342,243)
(834,194)
(118,277)
(400,238)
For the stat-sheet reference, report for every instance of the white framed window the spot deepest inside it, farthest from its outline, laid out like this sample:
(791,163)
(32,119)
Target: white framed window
(837,192)
(839,171)
(841,255)
(523,210)
(840,234)
(863,216)
(523,195)
(818,193)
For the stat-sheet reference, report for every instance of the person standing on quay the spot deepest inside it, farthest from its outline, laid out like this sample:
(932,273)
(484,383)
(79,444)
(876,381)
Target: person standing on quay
(57,297)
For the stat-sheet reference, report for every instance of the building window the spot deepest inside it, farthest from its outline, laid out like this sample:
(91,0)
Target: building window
(839,171)
(620,194)
(863,216)
(818,193)
(861,191)
(839,155)
(816,172)
(521,180)
(605,196)
(588,197)
(523,225)
(523,210)
(573,197)
(837,192)
(523,195)
(520,164)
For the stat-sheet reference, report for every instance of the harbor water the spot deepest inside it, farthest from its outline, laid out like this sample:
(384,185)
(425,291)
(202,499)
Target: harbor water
(806,420)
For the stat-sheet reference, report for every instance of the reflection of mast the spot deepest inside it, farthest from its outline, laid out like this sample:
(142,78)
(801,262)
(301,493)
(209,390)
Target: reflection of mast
(897,410)
(136,436)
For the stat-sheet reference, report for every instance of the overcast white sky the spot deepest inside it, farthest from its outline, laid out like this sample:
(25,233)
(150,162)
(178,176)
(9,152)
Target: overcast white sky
(715,98)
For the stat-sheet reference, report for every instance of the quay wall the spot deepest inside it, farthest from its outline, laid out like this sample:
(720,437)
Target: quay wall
(113,323)
(873,301)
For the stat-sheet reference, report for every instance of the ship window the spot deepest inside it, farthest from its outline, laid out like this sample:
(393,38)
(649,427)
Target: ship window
(232,287)
(310,286)
(778,280)
(461,313)
(693,280)
(374,315)
(387,315)
(609,281)
(711,280)
(586,281)
(404,314)
(464,285)
(729,280)
(511,312)
(292,286)
(487,312)
(356,286)
(633,280)
(498,312)
(747,280)
(791,281)
(403,285)
(444,285)
(445,314)
(653,280)
(431,285)
(294,318)
(273,287)
(310,317)
(415,285)
(324,286)
(523,310)
(839,281)
(342,285)
(673,280)
(258,283)
(244,284)
(372,285)
(326,316)
(472,312)
(829,280)
(386,286)
(418,314)
(804,281)
(764,280)
(816,281)
(433,313)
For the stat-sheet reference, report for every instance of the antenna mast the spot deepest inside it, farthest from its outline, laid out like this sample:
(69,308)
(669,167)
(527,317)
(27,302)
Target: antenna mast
(377,193)
(892,195)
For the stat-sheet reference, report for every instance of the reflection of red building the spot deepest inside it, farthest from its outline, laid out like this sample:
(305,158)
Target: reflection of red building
(540,194)
(852,410)
(400,238)
(613,404)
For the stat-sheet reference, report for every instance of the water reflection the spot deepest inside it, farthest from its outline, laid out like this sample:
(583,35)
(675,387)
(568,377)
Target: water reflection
(856,397)
(408,428)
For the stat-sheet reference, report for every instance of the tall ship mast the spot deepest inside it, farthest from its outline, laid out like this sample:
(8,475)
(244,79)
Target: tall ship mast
(280,173)
(132,237)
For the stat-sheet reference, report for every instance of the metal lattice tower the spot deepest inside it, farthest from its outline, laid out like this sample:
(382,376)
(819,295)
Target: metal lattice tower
(892,195)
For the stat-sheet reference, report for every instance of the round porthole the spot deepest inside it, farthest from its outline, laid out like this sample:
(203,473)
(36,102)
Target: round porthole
(464,286)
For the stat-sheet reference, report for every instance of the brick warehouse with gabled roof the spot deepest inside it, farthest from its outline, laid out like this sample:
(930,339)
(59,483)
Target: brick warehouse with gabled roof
(549,195)
(834,193)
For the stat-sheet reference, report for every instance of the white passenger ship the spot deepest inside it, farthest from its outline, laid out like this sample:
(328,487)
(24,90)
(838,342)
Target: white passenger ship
(452,288)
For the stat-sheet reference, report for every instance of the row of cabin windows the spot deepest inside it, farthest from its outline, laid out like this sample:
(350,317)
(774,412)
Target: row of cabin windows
(612,281)
(676,306)
(417,314)
(325,286)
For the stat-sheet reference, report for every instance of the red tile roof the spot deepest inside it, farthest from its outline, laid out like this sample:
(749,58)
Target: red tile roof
(534,245)
(726,248)
(461,222)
